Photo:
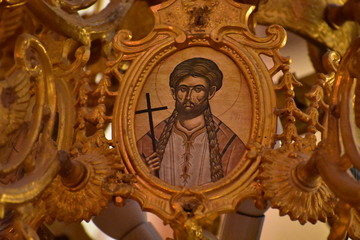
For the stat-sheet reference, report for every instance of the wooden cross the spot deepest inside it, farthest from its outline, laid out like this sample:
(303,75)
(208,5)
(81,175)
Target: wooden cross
(150,110)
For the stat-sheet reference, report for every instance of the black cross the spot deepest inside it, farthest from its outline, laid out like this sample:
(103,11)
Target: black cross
(150,110)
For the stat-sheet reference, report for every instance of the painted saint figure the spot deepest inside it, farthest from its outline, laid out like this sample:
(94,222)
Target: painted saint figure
(193,146)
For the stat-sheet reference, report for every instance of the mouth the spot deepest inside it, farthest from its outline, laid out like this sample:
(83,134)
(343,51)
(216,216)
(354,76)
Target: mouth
(189,105)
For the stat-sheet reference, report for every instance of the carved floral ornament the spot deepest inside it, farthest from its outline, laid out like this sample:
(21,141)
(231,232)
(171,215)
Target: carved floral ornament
(193,112)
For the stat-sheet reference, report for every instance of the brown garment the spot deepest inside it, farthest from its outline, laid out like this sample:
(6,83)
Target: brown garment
(230,145)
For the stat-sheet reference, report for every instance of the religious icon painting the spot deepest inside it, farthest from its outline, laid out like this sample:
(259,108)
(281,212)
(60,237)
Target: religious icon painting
(193,107)
(196,139)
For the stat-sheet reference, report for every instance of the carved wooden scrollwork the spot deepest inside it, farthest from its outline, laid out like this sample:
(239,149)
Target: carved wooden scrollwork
(289,163)
(40,95)
(29,106)
(67,77)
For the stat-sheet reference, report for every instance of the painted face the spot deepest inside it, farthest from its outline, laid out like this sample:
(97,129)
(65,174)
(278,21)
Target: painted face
(192,95)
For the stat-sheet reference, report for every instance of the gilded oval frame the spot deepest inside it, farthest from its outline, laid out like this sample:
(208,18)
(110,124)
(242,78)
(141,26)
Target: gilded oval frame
(244,49)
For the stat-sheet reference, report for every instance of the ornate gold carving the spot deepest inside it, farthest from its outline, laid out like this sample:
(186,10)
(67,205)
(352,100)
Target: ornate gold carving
(354,230)
(327,160)
(13,3)
(307,19)
(196,206)
(29,155)
(63,18)
(93,160)
(342,220)
(331,163)
(35,120)
(58,93)
(337,15)
(199,12)
(72,204)
(189,207)
(303,201)
(13,92)
(297,189)
(26,130)
(203,16)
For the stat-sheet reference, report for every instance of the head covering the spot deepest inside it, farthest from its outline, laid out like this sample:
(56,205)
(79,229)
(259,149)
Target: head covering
(197,67)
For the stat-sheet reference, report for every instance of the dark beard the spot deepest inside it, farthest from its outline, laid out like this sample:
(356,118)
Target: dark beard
(195,111)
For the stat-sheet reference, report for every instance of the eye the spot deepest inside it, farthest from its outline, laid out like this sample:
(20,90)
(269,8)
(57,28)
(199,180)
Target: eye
(198,89)
(182,89)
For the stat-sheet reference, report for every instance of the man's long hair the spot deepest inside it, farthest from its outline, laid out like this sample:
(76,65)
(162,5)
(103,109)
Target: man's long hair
(207,69)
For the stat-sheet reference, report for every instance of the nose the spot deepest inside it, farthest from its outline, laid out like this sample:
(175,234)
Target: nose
(188,94)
